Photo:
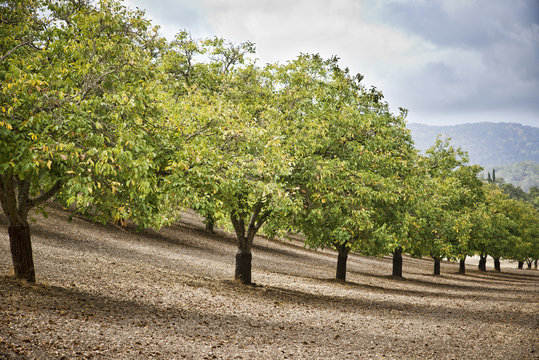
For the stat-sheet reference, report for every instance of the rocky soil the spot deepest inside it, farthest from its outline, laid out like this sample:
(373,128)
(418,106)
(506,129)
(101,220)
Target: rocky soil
(104,292)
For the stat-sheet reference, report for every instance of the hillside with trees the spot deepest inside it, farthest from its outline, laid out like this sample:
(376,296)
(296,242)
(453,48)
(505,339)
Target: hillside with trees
(512,149)
(524,174)
(487,144)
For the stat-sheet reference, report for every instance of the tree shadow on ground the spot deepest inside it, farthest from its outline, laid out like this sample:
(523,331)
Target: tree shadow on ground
(504,276)
(76,304)
(431,294)
(61,305)
(416,310)
(437,284)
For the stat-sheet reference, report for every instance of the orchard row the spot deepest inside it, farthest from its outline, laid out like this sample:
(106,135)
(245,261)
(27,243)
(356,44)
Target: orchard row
(105,116)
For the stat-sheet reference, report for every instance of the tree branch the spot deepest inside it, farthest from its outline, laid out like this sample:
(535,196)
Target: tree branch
(253,226)
(262,219)
(3,196)
(200,131)
(46,195)
(239,227)
(9,200)
(88,84)
(24,191)
(14,49)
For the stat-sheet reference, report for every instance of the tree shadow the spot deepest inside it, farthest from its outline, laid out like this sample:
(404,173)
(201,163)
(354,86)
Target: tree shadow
(61,305)
(438,284)
(416,310)
(430,294)
(505,276)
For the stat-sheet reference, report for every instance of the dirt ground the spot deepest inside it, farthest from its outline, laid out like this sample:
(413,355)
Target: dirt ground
(104,292)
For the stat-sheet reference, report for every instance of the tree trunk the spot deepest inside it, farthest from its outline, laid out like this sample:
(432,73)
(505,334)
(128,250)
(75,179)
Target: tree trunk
(436,266)
(397,262)
(520,264)
(535,263)
(482,262)
(243,267)
(16,203)
(497,266)
(21,252)
(243,256)
(245,236)
(341,262)
(210,222)
(462,266)
(529,264)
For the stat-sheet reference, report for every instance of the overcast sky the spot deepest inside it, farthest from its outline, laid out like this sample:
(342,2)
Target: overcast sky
(446,61)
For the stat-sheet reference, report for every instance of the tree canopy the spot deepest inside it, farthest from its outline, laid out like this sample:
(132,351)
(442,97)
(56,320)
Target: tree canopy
(75,105)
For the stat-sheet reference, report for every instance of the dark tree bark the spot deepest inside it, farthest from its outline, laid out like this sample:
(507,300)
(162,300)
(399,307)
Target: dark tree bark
(243,267)
(530,262)
(482,262)
(462,266)
(520,264)
(21,252)
(535,263)
(397,262)
(209,222)
(16,203)
(243,256)
(341,261)
(497,266)
(436,266)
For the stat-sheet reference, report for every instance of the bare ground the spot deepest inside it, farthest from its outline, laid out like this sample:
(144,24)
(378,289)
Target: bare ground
(108,293)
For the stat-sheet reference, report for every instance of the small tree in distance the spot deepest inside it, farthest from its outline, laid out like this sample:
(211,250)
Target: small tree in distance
(451,189)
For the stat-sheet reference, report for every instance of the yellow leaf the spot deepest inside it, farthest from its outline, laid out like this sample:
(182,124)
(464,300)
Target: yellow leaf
(49,164)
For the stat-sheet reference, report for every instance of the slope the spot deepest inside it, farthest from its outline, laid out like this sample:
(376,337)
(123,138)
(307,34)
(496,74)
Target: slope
(104,292)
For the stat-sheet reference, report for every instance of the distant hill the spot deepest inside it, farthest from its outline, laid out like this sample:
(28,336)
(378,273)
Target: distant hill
(524,174)
(492,145)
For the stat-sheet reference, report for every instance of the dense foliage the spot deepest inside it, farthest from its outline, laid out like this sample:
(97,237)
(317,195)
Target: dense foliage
(450,191)
(351,159)
(76,95)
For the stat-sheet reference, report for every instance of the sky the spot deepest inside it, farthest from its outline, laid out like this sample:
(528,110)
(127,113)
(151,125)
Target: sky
(447,61)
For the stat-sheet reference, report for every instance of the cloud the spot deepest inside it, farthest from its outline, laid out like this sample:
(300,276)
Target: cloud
(283,29)
(175,15)
(448,57)
(484,59)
